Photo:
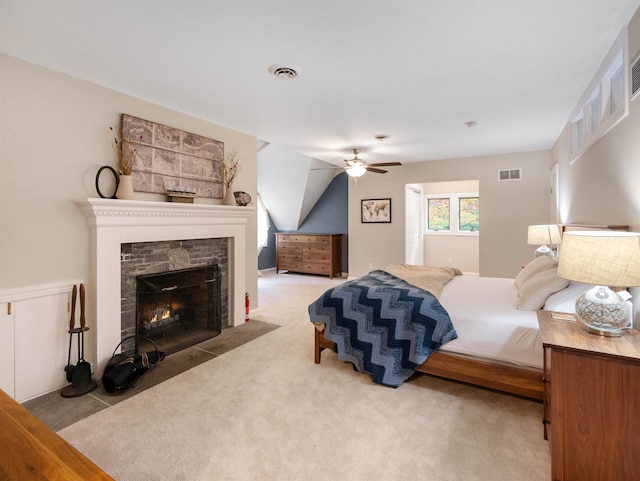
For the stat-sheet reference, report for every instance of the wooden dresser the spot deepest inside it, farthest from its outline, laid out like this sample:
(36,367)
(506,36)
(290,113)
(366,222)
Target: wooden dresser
(591,401)
(310,253)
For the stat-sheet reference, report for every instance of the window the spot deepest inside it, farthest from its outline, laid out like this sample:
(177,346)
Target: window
(438,217)
(469,214)
(604,103)
(453,214)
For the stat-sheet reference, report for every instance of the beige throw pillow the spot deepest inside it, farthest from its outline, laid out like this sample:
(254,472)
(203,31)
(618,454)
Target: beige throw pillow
(539,264)
(536,289)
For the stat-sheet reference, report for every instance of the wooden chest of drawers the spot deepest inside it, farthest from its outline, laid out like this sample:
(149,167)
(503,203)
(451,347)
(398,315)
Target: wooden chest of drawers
(310,253)
(590,405)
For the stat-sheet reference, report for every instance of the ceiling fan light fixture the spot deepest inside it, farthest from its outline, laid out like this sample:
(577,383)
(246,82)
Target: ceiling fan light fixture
(356,170)
(356,167)
(381,137)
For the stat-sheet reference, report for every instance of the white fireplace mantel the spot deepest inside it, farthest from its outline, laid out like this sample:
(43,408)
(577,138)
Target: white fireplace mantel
(116,222)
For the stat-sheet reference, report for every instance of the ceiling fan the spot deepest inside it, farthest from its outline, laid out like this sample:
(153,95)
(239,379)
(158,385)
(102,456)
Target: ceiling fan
(357,167)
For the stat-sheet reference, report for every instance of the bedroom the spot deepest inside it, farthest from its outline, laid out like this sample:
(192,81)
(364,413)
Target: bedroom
(68,118)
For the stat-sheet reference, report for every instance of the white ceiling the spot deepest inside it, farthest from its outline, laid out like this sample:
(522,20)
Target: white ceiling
(415,70)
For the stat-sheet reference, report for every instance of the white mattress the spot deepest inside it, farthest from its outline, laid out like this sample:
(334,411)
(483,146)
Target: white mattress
(488,324)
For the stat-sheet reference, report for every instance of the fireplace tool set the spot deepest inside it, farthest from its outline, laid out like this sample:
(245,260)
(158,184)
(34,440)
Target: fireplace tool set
(78,375)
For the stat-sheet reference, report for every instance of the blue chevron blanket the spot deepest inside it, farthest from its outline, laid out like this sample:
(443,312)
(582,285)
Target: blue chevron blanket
(383,325)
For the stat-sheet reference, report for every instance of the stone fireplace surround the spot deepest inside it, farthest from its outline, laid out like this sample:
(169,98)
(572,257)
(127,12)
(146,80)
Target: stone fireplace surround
(163,262)
(116,222)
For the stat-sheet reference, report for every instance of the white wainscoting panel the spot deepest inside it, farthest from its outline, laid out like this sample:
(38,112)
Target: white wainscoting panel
(36,338)
(6,349)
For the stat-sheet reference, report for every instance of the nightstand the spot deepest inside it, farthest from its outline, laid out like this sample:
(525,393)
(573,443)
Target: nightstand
(591,401)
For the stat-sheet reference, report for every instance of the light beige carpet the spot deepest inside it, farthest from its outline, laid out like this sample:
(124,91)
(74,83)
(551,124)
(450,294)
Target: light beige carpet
(265,411)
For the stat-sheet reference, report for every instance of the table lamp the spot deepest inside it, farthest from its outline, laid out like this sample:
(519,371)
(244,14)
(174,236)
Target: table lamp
(603,258)
(542,235)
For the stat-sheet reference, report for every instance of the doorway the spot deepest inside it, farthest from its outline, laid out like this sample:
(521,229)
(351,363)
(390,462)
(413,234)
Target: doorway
(414,225)
(451,247)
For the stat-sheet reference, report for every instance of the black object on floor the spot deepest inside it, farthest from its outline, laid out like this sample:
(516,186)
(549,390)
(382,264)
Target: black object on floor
(123,371)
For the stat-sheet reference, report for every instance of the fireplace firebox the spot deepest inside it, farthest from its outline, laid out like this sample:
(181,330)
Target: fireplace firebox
(179,308)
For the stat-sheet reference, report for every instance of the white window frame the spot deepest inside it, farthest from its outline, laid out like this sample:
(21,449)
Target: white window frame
(454,214)
(593,117)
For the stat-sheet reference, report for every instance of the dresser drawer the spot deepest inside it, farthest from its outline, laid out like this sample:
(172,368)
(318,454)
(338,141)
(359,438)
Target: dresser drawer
(316,254)
(291,265)
(289,249)
(303,239)
(323,239)
(290,256)
(283,238)
(314,268)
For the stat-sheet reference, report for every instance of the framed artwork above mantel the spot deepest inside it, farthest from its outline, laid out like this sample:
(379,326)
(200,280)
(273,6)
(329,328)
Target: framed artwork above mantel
(170,159)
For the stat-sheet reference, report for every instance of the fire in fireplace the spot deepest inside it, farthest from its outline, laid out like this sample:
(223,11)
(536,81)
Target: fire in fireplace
(178,309)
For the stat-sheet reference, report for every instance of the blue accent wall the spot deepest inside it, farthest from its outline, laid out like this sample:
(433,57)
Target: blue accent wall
(267,257)
(328,216)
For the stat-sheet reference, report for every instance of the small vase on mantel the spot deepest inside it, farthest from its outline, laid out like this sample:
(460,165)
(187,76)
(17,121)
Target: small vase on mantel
(229,198)
(125,188)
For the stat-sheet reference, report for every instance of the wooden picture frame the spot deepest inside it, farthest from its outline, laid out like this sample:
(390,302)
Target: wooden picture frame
(170,160)
(375,211)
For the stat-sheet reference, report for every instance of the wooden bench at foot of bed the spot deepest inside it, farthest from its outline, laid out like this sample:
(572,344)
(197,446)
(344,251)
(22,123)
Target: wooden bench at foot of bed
(503,378)
(31,451)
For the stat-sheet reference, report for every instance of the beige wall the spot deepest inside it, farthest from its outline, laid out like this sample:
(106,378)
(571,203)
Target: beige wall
(454,251)
(507,209)
(54,137)
(603,185)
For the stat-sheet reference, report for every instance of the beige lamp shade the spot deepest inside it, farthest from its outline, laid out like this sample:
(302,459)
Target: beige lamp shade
(543,234)
(603,258)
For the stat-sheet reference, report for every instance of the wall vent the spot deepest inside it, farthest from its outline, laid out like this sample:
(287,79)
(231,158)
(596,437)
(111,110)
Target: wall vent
(635,76)
(510,174)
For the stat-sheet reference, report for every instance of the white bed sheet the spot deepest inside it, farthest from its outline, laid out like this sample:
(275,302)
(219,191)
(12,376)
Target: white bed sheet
(483,312)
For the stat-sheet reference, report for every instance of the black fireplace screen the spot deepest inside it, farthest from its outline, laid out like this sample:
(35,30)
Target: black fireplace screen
(178,309)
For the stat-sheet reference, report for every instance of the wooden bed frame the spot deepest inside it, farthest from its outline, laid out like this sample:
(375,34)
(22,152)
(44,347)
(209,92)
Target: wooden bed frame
(503,378)
(512,380)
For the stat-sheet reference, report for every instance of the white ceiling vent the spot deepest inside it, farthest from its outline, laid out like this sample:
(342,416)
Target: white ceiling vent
(635,77)
(284,71)
(510,174)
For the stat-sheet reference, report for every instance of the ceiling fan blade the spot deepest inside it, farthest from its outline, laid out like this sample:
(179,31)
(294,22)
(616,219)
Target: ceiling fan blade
(386,164)
(377,171)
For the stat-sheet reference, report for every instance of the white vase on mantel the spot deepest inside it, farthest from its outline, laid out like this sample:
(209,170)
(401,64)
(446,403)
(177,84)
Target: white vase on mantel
(125,188)
(229,198)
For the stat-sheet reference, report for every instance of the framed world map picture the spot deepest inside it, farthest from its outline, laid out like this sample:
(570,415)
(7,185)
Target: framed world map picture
(376,211)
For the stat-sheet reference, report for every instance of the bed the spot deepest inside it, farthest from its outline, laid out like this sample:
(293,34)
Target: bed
(497,343)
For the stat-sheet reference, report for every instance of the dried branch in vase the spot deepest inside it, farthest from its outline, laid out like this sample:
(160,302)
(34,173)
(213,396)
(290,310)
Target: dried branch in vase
(126,151)
(230,166)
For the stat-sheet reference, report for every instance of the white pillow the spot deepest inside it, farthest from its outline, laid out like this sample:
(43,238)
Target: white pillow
(565,300)
(534,267)
(536,289)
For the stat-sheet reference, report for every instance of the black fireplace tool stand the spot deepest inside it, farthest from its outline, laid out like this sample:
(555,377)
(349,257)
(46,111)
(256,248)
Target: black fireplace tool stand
(79,375)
